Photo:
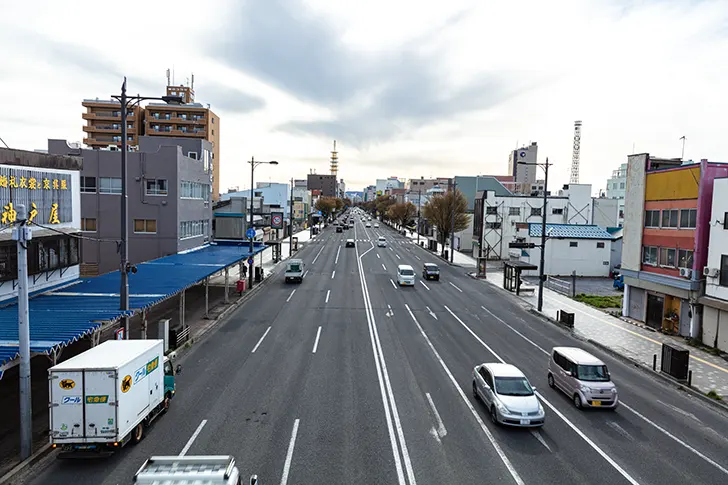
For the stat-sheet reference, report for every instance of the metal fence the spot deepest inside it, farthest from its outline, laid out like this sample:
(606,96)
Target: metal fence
(561,286)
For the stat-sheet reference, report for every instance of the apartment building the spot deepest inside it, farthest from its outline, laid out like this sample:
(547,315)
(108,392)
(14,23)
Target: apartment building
(103,123)
(169,192)
(326,184)
(423,185)
(665,246)
(715,300)
(521,166)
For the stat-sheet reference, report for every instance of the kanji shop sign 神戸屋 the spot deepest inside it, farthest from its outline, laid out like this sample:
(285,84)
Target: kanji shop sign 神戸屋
(46,195)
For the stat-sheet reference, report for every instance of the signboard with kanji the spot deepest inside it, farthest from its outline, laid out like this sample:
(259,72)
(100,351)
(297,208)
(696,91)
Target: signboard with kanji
(47,195)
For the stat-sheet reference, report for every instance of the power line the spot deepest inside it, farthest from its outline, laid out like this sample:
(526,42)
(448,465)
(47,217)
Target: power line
(6,145)
(77,236)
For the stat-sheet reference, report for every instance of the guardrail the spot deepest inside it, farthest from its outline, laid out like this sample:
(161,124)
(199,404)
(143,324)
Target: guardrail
(561,286)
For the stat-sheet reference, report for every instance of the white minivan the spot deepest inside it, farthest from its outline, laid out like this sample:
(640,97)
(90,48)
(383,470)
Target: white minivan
(582,377)
(405,275)
(381,242)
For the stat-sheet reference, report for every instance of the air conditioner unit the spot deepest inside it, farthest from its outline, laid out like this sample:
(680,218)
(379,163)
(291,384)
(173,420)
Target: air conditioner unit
(710,272)
(685,272)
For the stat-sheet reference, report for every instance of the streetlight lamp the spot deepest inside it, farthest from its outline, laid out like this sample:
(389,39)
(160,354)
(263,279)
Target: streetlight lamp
(127,102)
(253,164)
(545,167)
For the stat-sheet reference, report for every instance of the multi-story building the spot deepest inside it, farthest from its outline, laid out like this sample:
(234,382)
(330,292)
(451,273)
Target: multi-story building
(169,192)
(617,187)
(370,193)
(422,184)
(524,176)
(186,120)
(715,300)
(48,187)
(382,185)
(325,183)
(665,245)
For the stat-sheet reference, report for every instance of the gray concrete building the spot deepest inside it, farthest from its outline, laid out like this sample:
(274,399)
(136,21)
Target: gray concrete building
(169,193)
(327,184)
(523,175)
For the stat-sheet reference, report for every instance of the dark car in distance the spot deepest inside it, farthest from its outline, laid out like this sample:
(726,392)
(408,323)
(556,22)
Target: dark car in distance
(430,271)
(339,229)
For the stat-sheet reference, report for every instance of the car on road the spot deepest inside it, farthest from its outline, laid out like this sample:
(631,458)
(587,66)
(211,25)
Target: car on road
(381,242)
(405,275)
(376,225)
(294,270)
(350,243)
(430,271)
(367,225)
(582,377)
(339,229)
(508,395)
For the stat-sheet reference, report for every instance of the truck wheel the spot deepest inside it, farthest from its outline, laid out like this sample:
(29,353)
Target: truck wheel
(165,404)
(138,433)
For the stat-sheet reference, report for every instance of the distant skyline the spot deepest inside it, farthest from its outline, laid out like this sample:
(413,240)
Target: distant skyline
(407,88)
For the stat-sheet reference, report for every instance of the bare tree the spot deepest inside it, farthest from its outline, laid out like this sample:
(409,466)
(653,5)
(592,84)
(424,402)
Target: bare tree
(440,211)
(402,214)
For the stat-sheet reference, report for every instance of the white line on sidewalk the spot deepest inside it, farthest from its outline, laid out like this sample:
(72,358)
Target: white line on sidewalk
(441,431)
(289,296)
(451,283)
(337,255)
(423,284)
(501,454)
(328,292)
(315,344)
(385,268)
(260,341)
(395,286)
(571,425)
(319,254)
(193,438)
(289,455)
(333,274)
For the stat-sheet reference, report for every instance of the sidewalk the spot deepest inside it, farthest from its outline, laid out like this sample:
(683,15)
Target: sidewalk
(637,343)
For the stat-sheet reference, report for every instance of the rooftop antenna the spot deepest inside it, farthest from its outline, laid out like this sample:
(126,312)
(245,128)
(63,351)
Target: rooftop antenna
(168,77)
(172,75)
(334,161)
(682,157)
(576,153)
(193,81)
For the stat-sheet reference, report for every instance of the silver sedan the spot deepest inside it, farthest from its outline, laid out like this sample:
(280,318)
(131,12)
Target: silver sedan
(508,395)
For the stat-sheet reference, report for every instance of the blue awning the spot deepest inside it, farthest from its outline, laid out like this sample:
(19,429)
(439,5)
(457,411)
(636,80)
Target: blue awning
(61,317)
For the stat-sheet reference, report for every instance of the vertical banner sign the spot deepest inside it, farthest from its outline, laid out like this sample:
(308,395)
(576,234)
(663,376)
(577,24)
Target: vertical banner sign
(47,196)
(276,220)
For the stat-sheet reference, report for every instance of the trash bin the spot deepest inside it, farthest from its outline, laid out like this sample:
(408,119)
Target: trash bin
(240,286)
(447,255)
(258,274)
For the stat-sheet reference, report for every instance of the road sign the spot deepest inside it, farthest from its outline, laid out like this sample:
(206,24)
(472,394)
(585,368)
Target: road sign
(521,245)
(250,261)
(276,220)
(319,213)
(250,233)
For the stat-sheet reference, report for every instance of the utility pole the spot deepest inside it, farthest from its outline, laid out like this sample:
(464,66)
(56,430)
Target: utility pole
(452,220)
(124,245)
(543,235)
(419,206)
(22,234)
(253,164)
(290,225)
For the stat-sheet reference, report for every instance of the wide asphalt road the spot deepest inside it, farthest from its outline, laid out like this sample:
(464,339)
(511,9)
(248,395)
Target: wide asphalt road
(352,380)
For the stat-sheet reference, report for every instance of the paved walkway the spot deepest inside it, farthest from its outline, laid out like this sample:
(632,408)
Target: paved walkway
(709,371)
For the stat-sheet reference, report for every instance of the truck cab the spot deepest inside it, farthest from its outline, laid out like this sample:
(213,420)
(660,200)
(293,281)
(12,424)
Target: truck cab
(294,270)
(169,377)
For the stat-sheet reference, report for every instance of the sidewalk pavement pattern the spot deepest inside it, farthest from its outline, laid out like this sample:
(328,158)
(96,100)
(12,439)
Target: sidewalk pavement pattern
(635,342)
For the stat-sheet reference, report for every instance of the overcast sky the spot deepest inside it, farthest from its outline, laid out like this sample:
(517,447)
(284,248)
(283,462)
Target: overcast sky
(408,88)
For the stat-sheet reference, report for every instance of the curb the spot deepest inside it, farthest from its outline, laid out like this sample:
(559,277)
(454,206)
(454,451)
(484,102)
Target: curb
(32,459)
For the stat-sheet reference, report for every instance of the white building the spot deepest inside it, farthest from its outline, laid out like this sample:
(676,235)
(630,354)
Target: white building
(383,185)
(522,167)
(585,249)
(715,301)
(573,205)
(617,188)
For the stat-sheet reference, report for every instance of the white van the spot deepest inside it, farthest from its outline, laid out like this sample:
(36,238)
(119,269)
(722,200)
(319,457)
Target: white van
(582,377)
(381,242)
(405,275)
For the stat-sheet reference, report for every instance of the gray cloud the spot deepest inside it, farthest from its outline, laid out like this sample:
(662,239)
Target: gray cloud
(281,43)
(228,99)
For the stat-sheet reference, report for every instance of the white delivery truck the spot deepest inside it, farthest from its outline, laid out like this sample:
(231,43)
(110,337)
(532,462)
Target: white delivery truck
(105,397)
(198,470)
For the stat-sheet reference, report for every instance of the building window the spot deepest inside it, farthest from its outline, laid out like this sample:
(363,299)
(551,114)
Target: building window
(573,244)
(88,185)
(47,254)
(145,226)
(652,218)
(492,225)
(535,211)
(685,258)
(157,187)
(188,229)
(600,245)
(725,221)
(557,210)
(192,155)
(194,190)
(724,270)
(688,218)
(88,225)
(109,185)
(615,186)
(649,255)
(621,185)
(669,217)
(667,257)
(491,210)
(514,211)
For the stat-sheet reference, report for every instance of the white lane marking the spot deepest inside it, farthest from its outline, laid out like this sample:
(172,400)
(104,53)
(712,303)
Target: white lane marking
(289,455)
(540,439)
(260,341)
(675,438)
(571,425)
(390,313)
(304,274)
(417,256)
(328,292)
(483,427)
(395,286)
(423,284)
(441,431)
(337,255)
(319,254)
(397,256)
(333,274)
(680,411)
(391,249)
(384,267)
(193,438)
(378,257)
(451,283)
(383,378)
(432,314)
(616,427)
(290,296)
(315,344)
(629,408)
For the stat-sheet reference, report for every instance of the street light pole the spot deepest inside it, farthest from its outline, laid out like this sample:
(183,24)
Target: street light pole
(419,206)
(290,225)
(253,164)
(452,220)
(22,234)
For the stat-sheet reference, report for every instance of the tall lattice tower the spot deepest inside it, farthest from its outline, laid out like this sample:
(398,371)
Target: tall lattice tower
(575,153)
(334,161)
